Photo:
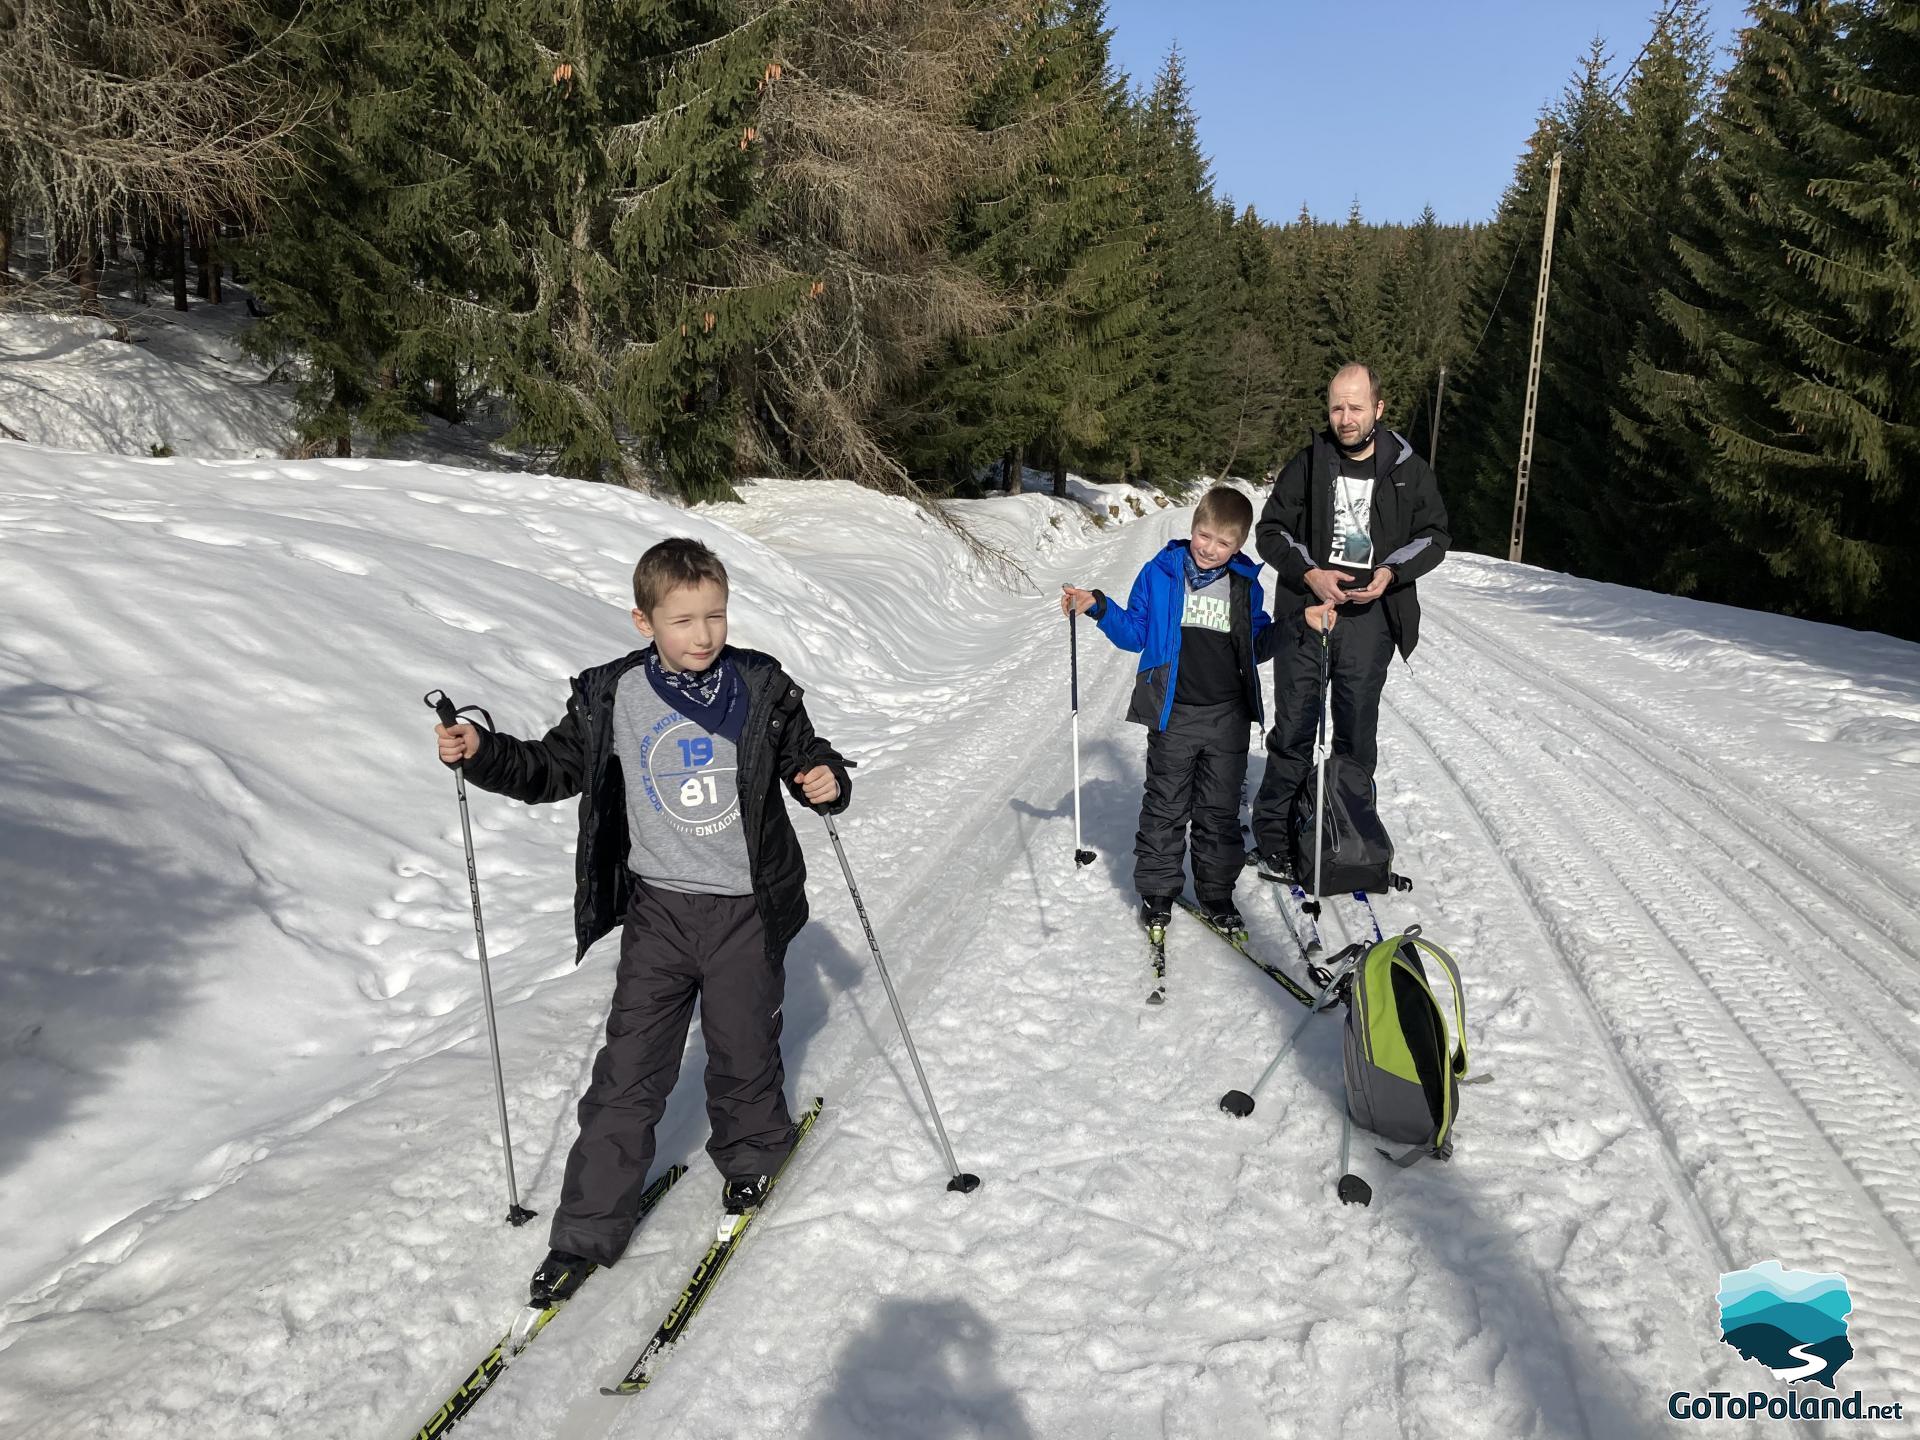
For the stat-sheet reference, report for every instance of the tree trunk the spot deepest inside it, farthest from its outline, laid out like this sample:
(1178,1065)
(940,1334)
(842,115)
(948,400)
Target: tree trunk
(203,262)
(174,232)
(343,444)
(87,273)
(146,260)
(1016,469)
(1060,474)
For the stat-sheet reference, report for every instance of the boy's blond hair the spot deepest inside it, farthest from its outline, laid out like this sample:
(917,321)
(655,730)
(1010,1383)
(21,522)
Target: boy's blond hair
(1224,508)
(674,565)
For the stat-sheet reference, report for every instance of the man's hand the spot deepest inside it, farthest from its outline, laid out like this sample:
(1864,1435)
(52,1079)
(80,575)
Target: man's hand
(1325,585)
(1374,588)
(458,743)
(818,785)
(1075,602)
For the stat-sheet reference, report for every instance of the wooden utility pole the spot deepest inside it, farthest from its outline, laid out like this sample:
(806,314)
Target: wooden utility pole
(1433,442)
(1533,367)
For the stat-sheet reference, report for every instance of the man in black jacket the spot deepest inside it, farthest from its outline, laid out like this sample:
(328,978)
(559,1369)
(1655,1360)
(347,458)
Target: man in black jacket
(1353,520)
(679,753)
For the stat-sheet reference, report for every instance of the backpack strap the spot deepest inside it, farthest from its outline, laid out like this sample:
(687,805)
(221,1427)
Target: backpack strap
(1459,1057)
(1406,1158)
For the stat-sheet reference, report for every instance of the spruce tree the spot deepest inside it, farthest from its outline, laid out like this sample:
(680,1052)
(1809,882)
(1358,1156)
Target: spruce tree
(1351,325)
(1484,425)
(1177,427)
(339,261)
(1601,514)
(1055,230)
(1303,362)
(1423,288)
(1798,315)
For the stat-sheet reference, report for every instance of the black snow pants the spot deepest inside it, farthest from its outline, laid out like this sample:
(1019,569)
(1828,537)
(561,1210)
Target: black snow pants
(1361,649)
(1196,770)
(673,949)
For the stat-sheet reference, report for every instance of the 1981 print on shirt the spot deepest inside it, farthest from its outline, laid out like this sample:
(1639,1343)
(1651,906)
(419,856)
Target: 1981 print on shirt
(690,775)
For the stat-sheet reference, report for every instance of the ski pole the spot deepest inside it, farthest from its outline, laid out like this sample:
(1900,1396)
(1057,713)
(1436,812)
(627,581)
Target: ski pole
(437,701)
(1322,747)
(1239,1103)
(965,1184)
(1081,855)
(1351,1189)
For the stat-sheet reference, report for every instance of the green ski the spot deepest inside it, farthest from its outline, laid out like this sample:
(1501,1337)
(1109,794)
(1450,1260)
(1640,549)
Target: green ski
(706,1274)
(530,1323)
(1238,941)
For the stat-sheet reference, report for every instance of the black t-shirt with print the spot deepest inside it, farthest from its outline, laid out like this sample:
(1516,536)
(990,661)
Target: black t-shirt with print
(1209,671)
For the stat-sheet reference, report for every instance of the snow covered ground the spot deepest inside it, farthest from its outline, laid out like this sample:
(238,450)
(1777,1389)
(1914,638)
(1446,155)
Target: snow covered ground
(249,1165)
(148,381)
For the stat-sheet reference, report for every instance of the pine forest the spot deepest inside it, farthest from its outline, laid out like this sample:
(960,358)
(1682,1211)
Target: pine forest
(942,246)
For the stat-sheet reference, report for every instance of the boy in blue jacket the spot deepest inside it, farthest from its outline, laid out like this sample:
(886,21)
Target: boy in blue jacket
(1195,618)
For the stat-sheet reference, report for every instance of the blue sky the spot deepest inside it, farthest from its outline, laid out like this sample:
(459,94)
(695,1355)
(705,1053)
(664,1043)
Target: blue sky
(1396,103)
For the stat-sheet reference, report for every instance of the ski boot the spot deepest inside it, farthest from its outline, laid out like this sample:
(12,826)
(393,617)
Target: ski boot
(559,1275)
(744,1193)
(1221,913)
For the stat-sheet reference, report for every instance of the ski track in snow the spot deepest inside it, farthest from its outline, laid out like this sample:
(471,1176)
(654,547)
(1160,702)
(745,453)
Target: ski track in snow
(1700,1009)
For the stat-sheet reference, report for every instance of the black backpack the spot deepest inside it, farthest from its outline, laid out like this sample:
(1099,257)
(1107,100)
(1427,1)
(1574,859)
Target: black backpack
(1355,851)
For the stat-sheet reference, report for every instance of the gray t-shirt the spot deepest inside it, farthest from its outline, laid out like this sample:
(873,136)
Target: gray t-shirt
(683,797)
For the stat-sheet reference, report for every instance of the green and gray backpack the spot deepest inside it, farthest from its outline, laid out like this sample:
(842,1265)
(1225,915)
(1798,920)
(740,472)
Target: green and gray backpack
(1403,1073)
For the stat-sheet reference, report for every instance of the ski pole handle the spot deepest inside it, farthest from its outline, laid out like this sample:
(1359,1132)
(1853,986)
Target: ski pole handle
(438,702)
(1073,656)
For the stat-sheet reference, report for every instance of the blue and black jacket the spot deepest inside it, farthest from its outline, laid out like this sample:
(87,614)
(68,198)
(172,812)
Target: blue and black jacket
(1150,624)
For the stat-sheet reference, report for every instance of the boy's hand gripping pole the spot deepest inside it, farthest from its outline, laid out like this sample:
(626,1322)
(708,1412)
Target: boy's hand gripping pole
(437,701)
(965,1184)
(1081,855)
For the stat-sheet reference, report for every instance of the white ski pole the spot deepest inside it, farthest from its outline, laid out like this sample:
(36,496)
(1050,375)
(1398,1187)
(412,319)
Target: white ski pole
(1081,855)
(1322,748)
(437,701)
(964,1183)
(1239,1103)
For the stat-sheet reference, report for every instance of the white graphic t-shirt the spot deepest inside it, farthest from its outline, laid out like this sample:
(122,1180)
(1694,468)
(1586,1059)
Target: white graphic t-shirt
(1208,609)
(1352,513)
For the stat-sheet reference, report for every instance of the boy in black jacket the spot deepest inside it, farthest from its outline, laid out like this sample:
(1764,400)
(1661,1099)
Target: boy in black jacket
(678,752)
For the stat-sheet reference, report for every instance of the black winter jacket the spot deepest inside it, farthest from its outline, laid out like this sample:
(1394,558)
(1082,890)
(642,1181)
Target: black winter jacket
(576,757)
(1408,524)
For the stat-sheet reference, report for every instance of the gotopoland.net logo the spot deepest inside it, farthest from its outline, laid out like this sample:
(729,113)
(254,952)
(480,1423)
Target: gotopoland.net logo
(1794,1322)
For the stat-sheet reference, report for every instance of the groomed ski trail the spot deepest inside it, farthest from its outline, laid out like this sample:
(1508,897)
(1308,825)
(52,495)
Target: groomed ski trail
(1670,1102)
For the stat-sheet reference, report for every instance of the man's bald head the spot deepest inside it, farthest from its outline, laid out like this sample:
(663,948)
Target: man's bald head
(1353,370)
(1354,408)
